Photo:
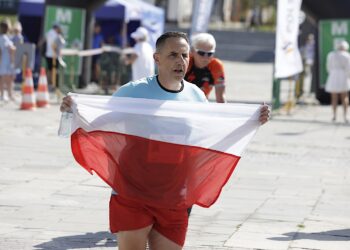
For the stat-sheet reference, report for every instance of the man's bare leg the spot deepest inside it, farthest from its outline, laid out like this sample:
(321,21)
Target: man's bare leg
(159,242)
(133,239)
(345,102)
(334,100)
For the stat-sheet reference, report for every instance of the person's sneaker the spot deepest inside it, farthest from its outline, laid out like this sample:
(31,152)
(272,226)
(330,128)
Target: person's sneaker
(5,98)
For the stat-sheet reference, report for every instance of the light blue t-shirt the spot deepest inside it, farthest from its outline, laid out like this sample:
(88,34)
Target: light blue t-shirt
(150,88)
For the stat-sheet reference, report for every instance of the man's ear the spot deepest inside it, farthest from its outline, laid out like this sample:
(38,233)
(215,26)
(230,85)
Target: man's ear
(156,58)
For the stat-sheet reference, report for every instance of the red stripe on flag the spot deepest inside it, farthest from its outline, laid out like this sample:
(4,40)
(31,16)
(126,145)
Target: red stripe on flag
(158,174)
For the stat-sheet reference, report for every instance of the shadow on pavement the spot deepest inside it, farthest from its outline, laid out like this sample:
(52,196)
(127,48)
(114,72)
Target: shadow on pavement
(88,240)
(294,120)
(333,235)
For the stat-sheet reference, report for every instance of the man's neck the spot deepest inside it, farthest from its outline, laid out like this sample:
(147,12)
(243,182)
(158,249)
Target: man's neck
(169,84)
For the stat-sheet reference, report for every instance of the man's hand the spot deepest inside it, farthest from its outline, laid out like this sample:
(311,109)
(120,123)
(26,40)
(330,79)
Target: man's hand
(66,105)
(264,114)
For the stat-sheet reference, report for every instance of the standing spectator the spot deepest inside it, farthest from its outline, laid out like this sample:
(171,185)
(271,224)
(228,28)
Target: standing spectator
(205,70)
(308,54)
(309,51)
(54,44)
(97,42)
(141,59)
(254,18)
(17,37)
(118,39)
(338,83)
(7,62)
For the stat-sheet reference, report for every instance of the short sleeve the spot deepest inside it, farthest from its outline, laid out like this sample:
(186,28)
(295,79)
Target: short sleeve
(124,91)
(216,68)
(8,42)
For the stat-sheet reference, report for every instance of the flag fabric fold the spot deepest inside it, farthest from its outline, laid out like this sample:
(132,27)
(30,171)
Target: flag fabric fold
(167,154)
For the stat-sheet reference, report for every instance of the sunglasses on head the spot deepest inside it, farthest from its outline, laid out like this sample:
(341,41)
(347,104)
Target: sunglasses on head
(205,53)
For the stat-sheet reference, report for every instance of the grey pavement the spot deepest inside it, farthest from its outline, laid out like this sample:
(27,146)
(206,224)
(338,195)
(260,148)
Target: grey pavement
(291,189)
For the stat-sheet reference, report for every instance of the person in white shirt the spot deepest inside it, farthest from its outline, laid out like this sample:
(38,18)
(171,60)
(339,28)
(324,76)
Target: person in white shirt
(54,44)
(141,58)
(338,82)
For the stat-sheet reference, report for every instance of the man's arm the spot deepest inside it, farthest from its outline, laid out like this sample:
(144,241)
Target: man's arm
(220,93)
(66,105)
(130,58)
(12,54)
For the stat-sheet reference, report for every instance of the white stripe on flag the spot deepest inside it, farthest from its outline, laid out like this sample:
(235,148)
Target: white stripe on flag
(223,127)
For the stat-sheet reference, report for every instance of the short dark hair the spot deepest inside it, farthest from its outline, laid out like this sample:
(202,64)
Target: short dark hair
(171,34)
(4,27)
(56,26)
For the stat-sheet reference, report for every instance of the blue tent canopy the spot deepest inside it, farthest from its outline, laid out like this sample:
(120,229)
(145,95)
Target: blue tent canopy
(31,8)
(112,9)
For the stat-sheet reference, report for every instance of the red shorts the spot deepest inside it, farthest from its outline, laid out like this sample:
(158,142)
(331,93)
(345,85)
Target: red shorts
(126,215)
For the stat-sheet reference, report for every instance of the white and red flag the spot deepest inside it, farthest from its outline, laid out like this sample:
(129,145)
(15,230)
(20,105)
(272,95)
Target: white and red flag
(162,153)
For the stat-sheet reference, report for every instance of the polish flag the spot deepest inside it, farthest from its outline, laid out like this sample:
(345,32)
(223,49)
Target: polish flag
(167,154)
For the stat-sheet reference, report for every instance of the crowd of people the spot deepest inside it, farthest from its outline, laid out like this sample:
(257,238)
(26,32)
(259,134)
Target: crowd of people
(205,70)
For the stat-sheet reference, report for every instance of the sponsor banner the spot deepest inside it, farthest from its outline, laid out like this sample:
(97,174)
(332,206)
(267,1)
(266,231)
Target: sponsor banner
(287,56)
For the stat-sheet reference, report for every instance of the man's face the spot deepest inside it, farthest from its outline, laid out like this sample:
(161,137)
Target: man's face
(97,29)
(173,58)
(202,54)
(58,30)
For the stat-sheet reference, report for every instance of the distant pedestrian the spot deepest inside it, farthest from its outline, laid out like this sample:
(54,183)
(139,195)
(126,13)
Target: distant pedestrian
(141,59)
(17,37)
(204,70)
(309,51)
(97,42)
(54,44)
(308,55)
(7,62)
(338,82)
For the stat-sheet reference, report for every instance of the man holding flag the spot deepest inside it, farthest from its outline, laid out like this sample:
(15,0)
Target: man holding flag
(141,211)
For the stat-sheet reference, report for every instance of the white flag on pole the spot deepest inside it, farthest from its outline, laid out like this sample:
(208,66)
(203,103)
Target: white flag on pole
(201,15)
(287,57)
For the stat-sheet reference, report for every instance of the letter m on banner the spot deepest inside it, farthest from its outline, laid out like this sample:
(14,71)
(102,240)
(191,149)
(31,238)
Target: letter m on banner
(64,16)
(339,28)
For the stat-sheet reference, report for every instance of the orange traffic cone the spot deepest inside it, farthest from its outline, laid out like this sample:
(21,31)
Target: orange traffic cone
(28,97)
(42,95)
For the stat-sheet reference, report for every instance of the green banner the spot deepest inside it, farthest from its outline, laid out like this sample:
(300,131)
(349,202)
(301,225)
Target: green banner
(72,22)
(330,32)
